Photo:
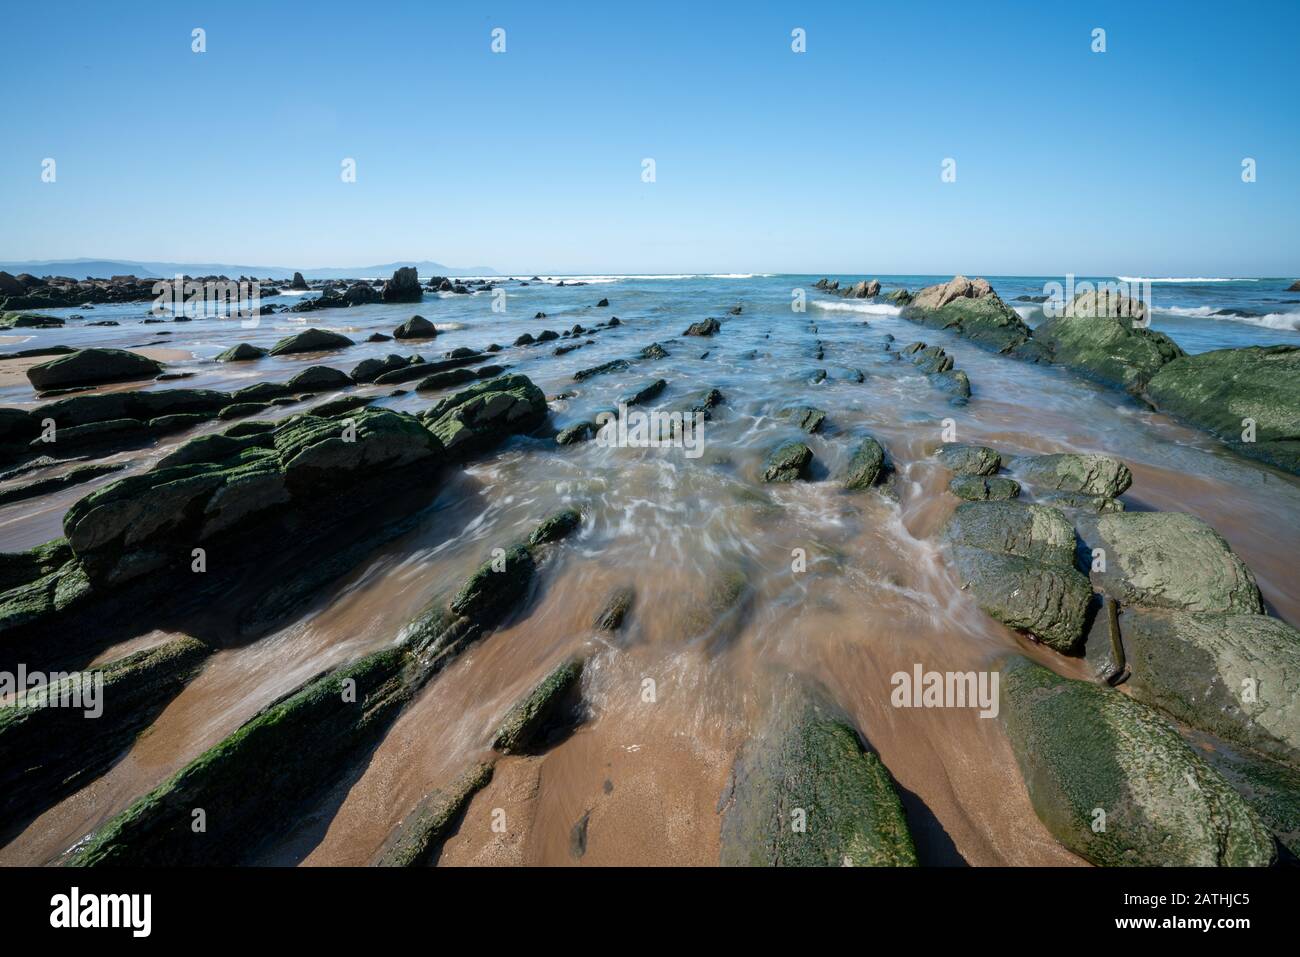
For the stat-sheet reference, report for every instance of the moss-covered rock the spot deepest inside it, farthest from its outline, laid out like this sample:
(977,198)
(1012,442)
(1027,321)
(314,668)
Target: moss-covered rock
(1018,562)
(804,793)
(50,752)
(529,717)
(807,417)
(1218,391)
(419,837)
(971,309)
(970,459)
(787,462)
(1089,474)
(555,527)
(1172,560)
(984,488)
(1117,785)
(1234,675)
(484,414)
(496,586)
(614,611)
(92,367)
(310,340)
(244,352)
(866,466)
(1107,344)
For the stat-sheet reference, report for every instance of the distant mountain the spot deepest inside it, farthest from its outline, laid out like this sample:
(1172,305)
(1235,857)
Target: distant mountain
(103,268)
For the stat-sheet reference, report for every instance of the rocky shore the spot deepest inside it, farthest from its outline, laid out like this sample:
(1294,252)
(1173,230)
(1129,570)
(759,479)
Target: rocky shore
(1143,673)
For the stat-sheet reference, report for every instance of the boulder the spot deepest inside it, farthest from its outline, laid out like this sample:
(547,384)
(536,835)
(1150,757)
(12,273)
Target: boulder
(368,370)
(866,466)
(319,379)
(787,462)
(705,327)
(92,367)
(984,488)
(1018,562)
(1086,750)
(298,284)
(29,320)
(403,287)
(241,353)
(1105,339)
(360,294)
(807,757)
(970,459)
(1233,675)
(417,327)
(1172,560)
(484,414)
(971,309)
(1089,474)
(1220,391)
(310,340)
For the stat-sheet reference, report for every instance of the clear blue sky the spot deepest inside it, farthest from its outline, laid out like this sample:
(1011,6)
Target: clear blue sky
(1127,162)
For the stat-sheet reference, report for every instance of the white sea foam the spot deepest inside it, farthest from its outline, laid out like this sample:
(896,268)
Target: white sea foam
(1183,279)
(1289,321)
(858,305)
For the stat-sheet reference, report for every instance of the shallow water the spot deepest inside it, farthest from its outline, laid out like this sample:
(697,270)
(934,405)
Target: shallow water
(876,596)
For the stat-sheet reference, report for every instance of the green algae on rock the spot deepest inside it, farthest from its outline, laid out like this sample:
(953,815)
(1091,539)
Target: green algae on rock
(984,488)
(804,793)
(1086,473)
(418,838)
(1117,785)
(866,466)
(482,415)
(529,717)
(787,462)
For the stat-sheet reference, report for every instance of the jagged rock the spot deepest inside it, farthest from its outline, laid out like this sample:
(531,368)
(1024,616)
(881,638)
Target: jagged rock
(92,367)
(644,393)
(807,757)
(705,327)
(298,284)
(970,459)
(787,462)
(1173,560)
(1226,390)
(361,294)
(1089,474)
(417,327)
(154,519)
(615,365)
(1084,747)
(241,353)
(654,351)
(310,340)
(403,287)
(573,434)
(971,309)
(484,414)
(1018,562)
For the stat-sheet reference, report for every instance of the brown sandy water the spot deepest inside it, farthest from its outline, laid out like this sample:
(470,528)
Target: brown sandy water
(639,781)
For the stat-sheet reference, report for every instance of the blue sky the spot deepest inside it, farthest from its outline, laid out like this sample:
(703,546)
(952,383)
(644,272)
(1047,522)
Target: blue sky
(1124,162)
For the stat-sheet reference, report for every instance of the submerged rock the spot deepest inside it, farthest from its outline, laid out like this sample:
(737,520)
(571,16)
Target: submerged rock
(92,367)
(1018,561)
(555,527)
(617,605)
(705,327)
(804,793)
(787,462)
(1085,749)
(1227,391)
(808,418)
